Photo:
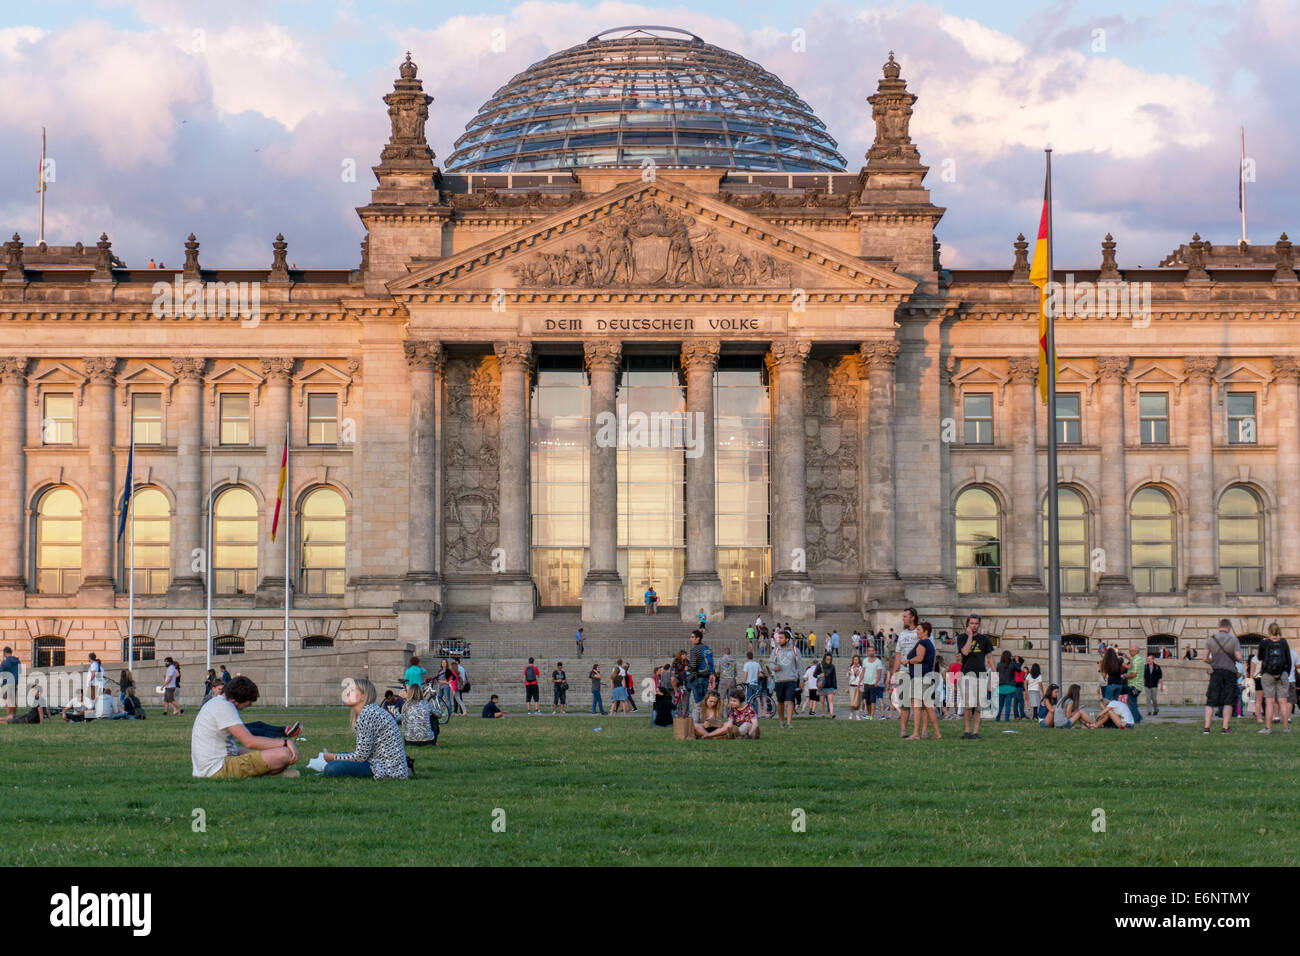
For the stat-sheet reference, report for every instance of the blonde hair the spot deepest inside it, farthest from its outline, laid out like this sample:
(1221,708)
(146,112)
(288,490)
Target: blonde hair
(368,694)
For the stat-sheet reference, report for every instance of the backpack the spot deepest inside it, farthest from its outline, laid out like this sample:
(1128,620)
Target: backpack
(1277,659)
(707,659)
(464,688)
(530,674)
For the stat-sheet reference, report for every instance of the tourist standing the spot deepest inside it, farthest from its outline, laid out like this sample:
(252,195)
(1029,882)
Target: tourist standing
(532,688)
(1034,690)
(974,648)
(1006,685)
(873,671)
(559,689)
(95,677)
(171,688)
(1136,665)
(1222,653)
(630,687)
(598,705)
(651,600)
(752,670)
(1275,668)
(922,684)
(726,674)
(697,666)
(855,685)
(577,639)
(10,680)
(786,669)
(618,689)
(1152,679)
(903,647)
(827,685)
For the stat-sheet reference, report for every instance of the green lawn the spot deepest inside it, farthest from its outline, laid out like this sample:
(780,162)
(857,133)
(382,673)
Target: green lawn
(120,792)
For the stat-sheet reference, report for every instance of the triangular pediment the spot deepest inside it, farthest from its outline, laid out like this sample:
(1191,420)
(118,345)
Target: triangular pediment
(652,237)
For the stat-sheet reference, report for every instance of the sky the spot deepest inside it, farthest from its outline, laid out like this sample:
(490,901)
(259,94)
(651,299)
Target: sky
(237,121)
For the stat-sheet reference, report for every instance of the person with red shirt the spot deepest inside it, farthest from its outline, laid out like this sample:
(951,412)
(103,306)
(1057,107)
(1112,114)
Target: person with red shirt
(532,692)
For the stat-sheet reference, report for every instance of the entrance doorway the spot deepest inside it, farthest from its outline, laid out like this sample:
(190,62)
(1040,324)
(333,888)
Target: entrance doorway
(643,567)
(743,572)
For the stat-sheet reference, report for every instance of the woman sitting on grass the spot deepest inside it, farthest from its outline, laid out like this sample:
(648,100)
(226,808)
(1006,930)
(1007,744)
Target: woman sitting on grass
(419,725)
(710,721)
(742,720)
(1046,709)
(1068,712)
(379,752)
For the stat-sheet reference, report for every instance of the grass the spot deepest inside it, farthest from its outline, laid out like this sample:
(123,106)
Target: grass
(120,793)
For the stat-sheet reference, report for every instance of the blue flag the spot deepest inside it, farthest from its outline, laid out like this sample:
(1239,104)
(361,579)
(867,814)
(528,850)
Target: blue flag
(126,487)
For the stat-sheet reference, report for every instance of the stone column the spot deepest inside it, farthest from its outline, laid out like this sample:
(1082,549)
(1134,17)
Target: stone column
(279,383)
(603,597)
(701,588)
(13,489)
(1115,585)
(1287,532)
(426,360)
(98,534)
(1203,585)
(793,596)
(883,582)
(1026,584)
(190,531)
(512,590)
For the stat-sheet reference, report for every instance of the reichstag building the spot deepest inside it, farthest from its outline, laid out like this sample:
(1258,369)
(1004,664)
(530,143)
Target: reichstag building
(643,327)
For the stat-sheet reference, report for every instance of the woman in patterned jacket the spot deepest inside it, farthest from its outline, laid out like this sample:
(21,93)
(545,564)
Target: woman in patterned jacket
(379,753)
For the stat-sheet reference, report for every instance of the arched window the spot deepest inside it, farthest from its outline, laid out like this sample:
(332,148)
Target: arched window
(1074,643)
(58,542)
(49,652)
(230,644)
(152,526)
(979,543)
(317,640)
(142,649)
(1156,643)
(1151,529)
(234,549)
(1072,527)
(1241,541)
(323,531)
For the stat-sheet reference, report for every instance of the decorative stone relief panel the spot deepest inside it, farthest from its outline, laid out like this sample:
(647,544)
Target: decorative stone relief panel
(471,500)
(831,449)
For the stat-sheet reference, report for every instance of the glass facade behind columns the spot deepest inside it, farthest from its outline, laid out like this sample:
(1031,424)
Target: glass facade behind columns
(742,426)
(558,443)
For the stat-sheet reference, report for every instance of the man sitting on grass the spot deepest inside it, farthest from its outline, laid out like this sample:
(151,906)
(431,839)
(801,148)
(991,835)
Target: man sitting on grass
(221,746)
(1116,713)
(75,710)
(490,709)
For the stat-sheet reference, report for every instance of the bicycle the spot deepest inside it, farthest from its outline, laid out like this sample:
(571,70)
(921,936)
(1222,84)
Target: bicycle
(440,706)
(762,701)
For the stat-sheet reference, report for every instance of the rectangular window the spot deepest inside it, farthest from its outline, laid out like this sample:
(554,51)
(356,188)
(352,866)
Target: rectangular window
(146,419)
(1069,423)
(323,419)
(235,419)
(1153,415)
(1241,418)
(56,422)
(977,410)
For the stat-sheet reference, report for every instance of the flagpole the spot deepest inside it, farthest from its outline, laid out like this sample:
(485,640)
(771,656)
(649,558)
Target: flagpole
(1055,673)
(40,238)
(210,562)
(1241,183)
(130,601)
(288,536)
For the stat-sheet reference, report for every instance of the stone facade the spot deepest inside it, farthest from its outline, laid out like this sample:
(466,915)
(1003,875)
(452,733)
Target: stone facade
(873,351)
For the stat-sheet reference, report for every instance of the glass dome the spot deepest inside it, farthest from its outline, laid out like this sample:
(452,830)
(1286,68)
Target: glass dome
(637,93)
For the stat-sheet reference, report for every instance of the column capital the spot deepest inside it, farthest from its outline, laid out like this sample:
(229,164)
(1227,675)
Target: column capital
(791,353)
(1112,368)
(1199,368)
(424,353)
(701,352)
(12,369)
(1024,370)
(602,354)
(279,371)
(514,352)
(188,369)
(879,355)
(1285,369)
(100,369)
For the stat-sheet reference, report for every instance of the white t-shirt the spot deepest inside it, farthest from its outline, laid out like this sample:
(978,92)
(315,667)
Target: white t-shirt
(77,706)
(211,742)
(907,641)
(855,676)
(871,672)
(810,677)
(1121,710)
(1033,684)
(752,670)
(95,675)
(172,675)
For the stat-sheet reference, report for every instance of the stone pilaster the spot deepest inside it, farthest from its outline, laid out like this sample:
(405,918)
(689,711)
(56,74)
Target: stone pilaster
(279,384)
(792,595)
(187,588)
(512,590)
(1026,583)
(603,597)
(1203,585)
(426,361)
(1115,585)
(701,588)
(1286,377)
(13,489)
(883,583)
(98,531)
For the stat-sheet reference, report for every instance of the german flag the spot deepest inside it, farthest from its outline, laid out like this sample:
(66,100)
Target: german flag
(279,492)
(1038,275)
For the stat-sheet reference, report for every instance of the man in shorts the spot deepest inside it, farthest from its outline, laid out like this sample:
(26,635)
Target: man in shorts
(532,693)
(973,649)
(903,648)
(1222,653)
(221,746)
(871,671)
(1275,679)
(786,668)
